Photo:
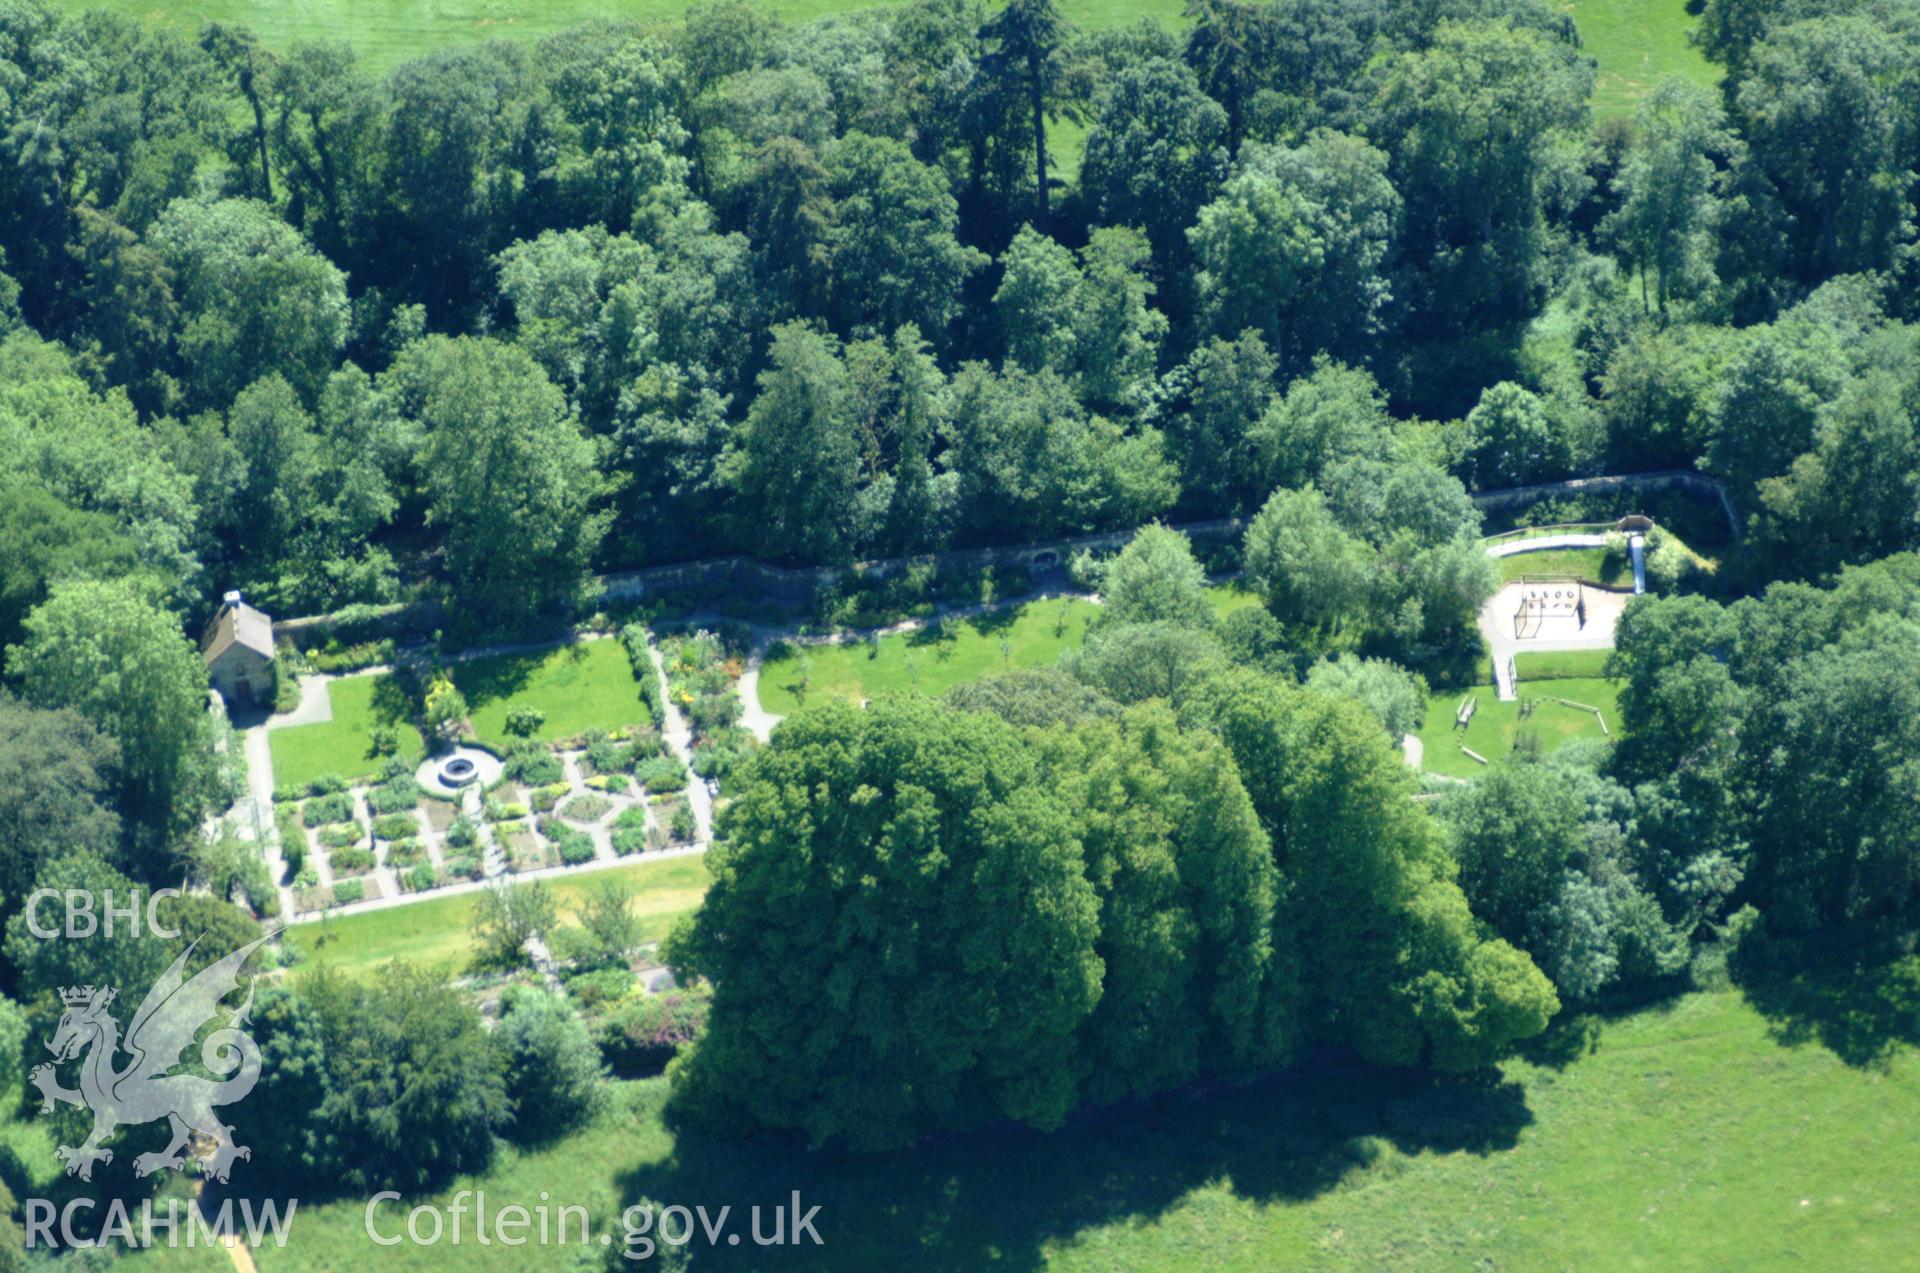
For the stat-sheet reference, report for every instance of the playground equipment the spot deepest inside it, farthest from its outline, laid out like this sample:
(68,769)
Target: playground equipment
(1544,600)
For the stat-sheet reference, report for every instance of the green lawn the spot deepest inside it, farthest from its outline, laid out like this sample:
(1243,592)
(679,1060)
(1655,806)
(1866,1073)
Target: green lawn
(1637,43)
(1227,598)
(435,931)
(1553,665)
(964,650)
(1036,634)
(343,746)
(1495,724)
(1687,1136)
(388,32)
(1596,565)
(586,685)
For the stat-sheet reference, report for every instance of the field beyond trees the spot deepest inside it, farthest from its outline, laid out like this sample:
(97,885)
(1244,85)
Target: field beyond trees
(1689,1135)
(386,33)
(1636,42)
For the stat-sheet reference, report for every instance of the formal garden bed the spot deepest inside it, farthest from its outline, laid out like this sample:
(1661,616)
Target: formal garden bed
(580,745)
(703,675)
(673,821)
(585,808)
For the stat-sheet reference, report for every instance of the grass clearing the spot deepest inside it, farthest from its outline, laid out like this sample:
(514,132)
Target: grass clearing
(386,33)
(1595,565)
(1637,43)
(1496,725)
(1556,665)
(436,931)
(929,660)
(1684,1136)
(1036,634)
(1229,597)
(343,746)
(582,686)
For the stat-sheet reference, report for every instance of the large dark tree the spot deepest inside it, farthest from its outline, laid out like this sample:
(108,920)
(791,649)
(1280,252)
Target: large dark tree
(56,793)
(900,934)
(1026,43)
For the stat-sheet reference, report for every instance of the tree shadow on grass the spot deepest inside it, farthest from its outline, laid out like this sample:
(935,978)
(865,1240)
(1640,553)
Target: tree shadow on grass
(1001,1197)
(1855,993)
(934,633)
(996,621)
(391,703)
(1576,1033)
(501,676)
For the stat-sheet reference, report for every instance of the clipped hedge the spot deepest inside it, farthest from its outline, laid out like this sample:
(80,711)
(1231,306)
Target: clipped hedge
(321,810)
(585,808)
(352,861)
(396,826)
(341,836)
(397,795)
(662,773)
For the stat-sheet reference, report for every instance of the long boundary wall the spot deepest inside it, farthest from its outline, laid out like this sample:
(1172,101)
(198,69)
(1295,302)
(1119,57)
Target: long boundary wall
(1699,484)
(421,618)
(412,619)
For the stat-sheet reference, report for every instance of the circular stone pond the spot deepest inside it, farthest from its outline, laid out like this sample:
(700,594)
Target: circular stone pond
(462,767)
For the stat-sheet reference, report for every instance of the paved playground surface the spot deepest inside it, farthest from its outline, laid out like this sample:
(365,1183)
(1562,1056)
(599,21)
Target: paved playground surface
(1556,628)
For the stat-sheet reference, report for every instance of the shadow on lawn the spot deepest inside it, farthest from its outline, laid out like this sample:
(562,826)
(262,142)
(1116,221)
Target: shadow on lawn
(999,1197)
(994,621)
(392,702)
(1854,992)
(487,680)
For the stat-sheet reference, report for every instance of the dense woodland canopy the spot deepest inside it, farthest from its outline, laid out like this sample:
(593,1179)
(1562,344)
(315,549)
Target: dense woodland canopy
(517,313)
(835,290)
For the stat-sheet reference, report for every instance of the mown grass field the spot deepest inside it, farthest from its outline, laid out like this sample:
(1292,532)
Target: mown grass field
(436,931)
(343,746)
(386,33)
(929,660)
(1636,42)
(1227,598)
(586,685)
(1554,665)
(1496,725)
(1596,565)
(1036,635)
(1686,1136)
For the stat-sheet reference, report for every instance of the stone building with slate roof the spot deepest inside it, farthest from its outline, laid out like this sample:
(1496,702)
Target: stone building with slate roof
(238,649)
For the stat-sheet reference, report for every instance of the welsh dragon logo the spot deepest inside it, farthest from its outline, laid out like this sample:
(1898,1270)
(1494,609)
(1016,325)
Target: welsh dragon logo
(142,1091)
